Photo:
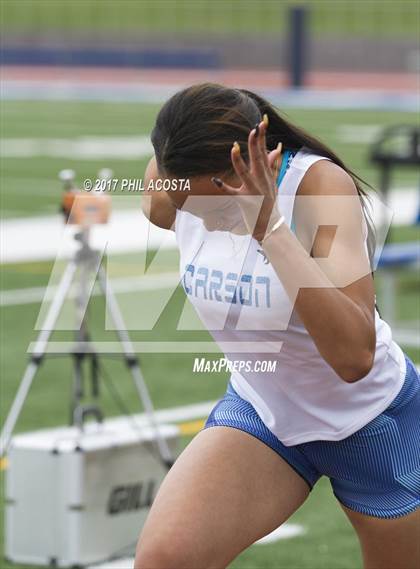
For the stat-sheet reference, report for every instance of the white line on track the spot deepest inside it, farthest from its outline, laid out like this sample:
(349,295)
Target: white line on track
(15,297)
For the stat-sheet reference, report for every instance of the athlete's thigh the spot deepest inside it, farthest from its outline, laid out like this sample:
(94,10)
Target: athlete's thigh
(226,490)
(388,543)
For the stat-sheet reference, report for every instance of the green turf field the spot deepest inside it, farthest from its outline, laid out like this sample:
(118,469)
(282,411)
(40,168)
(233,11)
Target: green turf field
(372,18)
(35,189)
(29,187)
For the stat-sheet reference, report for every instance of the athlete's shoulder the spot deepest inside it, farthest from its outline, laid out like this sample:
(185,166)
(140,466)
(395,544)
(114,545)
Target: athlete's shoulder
(325,177)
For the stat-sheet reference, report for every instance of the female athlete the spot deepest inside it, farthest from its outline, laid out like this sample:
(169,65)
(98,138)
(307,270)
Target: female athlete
(276,251)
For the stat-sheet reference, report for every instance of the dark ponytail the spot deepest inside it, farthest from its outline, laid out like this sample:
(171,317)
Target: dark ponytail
(294,138)
(281,131)
(196,127)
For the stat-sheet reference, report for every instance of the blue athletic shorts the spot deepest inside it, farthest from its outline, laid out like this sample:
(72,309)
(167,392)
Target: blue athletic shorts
(375,471)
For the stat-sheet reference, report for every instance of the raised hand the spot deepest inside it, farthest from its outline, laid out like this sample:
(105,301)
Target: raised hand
(258,191)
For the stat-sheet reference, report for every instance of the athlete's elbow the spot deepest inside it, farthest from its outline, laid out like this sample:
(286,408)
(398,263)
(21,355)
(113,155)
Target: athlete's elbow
(358,367)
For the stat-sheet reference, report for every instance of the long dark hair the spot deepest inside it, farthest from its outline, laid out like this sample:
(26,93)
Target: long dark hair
(196,127)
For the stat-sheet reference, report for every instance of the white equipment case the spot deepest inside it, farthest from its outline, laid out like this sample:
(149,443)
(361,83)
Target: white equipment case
(77,497)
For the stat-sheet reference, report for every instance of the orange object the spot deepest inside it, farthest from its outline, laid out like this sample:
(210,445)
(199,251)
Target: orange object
(85,209)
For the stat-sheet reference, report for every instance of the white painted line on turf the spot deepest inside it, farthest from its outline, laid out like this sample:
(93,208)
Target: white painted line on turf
(172,414)
(358,133)
(410,338)
(47,237)
(123,563)
(17,297)
(157,93)
(81,148)
(405,203)
(41,238)
(161,416)
(285,531)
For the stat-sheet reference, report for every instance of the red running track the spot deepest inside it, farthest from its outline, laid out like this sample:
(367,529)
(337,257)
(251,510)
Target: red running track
(396,82)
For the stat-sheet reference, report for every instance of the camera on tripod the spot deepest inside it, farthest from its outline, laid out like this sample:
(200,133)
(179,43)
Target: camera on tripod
(84,210)
(88,479)
(81,207)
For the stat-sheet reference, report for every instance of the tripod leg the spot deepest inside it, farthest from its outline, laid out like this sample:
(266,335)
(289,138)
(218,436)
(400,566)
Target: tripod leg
(85,264)
(132,362)
(37,356)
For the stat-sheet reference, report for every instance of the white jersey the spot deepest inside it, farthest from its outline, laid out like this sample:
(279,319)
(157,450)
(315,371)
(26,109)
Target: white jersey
(241,301)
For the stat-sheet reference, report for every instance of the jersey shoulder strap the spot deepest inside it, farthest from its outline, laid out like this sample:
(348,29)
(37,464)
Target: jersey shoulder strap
(299,161)
(288,156)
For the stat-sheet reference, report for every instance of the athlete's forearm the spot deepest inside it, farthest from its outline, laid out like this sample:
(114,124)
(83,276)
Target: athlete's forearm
(341,330)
